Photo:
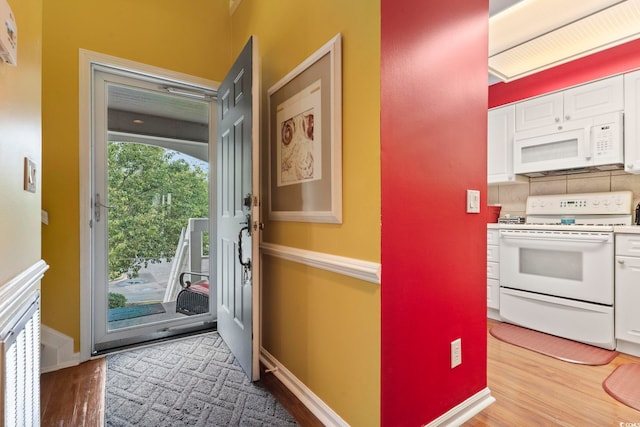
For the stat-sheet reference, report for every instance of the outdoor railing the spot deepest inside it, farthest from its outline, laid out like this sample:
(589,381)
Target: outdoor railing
(190,255)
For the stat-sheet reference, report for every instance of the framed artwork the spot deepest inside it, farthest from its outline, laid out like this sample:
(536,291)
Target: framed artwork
(305,140)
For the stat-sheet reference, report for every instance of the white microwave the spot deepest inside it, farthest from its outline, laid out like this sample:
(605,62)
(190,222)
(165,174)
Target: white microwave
(573,146)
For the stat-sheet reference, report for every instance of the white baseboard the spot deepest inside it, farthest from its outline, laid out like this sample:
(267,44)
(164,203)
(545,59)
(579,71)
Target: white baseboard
(464,411)
(321,410)
(57,350)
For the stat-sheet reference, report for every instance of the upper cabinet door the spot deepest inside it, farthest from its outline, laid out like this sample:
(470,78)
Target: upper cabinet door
(588,100)
(592,99)
(632,122)
(500,145)
(537,112)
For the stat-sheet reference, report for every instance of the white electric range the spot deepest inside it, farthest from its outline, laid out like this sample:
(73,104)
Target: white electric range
(557,269)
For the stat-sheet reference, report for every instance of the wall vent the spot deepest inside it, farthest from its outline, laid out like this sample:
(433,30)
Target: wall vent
(20,365)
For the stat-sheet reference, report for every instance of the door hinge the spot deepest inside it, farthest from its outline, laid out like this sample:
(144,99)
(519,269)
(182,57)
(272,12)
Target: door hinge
(255,201)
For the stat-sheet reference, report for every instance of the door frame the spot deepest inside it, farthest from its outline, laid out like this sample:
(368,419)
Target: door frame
(87,59)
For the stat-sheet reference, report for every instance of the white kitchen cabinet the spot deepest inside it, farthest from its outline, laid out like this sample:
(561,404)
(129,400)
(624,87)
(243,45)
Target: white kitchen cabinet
(632,122)
(501,130)
(587,100)
(592,99)
(493,272)
(627,295)
(537,112)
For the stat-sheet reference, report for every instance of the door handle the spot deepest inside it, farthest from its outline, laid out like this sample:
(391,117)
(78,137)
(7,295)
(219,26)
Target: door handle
(246,264)
(559,237)
(97,205)
(247,223)
(589,154)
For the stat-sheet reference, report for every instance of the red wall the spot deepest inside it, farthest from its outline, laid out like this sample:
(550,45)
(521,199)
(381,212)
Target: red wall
(617,60)
(433,148)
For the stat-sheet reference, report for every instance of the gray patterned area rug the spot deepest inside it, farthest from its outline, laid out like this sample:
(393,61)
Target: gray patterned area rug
(190,382)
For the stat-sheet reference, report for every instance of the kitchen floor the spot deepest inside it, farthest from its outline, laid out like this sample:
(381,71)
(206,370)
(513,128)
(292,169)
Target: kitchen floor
(533,389)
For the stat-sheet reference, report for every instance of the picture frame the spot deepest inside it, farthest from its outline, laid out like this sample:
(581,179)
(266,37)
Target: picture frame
(305,140)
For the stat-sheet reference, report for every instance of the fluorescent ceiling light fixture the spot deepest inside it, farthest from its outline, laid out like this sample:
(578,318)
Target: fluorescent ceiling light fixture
(535,35)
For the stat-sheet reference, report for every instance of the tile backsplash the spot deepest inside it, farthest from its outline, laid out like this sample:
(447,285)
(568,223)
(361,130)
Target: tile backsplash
(513,197)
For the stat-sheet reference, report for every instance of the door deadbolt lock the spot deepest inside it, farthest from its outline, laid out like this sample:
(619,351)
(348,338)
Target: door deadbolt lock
(247,200)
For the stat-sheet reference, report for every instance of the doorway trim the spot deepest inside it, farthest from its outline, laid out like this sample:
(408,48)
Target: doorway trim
(88,58)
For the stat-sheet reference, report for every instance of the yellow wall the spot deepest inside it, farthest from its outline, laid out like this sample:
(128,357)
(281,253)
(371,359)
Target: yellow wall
(288,32)
(20,137)
(324,327)
(190,37)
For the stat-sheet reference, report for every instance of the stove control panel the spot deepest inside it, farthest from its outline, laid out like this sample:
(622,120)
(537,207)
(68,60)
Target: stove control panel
(615,202)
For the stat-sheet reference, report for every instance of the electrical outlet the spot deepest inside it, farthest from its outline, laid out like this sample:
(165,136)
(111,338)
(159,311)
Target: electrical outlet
(456,352)
(473,201)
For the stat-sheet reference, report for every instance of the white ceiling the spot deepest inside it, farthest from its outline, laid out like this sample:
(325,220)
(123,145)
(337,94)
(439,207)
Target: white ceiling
(538,34)
(497,6)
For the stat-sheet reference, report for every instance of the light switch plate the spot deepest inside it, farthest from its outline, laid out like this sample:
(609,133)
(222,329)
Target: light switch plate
(456,352)
(473,201)
(29,175)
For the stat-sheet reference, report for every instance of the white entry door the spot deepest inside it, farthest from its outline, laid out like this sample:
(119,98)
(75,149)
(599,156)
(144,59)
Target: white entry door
(238,210)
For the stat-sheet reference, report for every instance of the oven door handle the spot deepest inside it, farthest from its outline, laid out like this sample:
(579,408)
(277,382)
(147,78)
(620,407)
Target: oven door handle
(561,237)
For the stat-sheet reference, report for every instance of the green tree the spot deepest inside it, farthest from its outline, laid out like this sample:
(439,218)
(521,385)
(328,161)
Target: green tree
(117,300)
(152,196)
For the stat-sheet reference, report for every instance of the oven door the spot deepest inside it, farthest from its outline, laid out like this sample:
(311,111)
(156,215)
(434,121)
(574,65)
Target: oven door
(575,265)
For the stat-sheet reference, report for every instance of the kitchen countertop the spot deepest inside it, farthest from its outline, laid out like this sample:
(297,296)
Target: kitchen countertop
(496,225)
(630,229)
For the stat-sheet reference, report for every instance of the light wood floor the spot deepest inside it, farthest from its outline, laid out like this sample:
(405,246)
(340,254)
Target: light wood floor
(536,390)
(530,390)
